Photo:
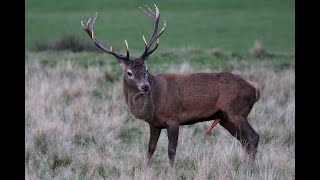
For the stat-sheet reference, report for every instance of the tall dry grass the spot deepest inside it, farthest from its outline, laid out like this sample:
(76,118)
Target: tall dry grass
(77,126)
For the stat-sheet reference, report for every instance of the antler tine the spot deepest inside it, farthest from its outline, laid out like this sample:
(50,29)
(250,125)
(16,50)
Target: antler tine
(127,47)
(150,52)
(157,11)
(163,28)
(89,29)
(155,35)
(149,9)
(143,10)
(144,39)
(146,46)
(86,27)
(149,12)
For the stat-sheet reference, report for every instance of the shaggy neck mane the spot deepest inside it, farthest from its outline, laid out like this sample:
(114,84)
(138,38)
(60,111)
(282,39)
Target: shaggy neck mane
(140,104)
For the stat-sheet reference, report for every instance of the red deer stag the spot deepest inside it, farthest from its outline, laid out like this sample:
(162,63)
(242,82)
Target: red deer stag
(170,100)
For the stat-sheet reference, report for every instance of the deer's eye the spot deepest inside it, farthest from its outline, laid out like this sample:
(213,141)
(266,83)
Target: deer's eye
(129,73)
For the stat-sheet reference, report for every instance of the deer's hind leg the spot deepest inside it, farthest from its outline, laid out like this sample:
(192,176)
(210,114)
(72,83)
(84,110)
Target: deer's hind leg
(173,134)
(242,130)
(252,139)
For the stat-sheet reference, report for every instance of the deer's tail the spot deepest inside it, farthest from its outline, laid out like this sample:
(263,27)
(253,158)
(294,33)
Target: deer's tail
(258,91)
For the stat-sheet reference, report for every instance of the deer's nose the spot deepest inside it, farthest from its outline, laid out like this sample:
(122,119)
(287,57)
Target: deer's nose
(145,87)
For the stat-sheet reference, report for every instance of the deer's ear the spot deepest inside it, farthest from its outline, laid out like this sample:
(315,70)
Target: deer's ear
(122,63)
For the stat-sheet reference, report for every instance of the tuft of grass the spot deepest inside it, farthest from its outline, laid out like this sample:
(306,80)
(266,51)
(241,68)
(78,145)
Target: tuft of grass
(108,171)
(41,143)
(129,135)
(257,50)
(59,161)
(219,52)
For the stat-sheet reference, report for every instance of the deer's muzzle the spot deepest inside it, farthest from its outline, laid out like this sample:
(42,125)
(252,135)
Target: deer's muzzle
(144,87)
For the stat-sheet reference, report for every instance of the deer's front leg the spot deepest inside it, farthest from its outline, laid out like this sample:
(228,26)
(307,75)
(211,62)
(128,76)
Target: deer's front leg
(173,133)
(154,136)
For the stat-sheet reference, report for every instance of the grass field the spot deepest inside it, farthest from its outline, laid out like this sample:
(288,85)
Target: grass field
(77,125)
(230,24)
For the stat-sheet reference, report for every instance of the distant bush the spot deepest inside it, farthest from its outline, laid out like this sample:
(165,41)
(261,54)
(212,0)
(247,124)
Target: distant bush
(259,51)
(42,46)
(67,42)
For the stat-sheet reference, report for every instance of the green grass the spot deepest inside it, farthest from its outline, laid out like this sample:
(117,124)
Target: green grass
(230,24)
(160,61)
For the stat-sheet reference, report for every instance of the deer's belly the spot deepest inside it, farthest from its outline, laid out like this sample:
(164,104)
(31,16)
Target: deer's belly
(197,112)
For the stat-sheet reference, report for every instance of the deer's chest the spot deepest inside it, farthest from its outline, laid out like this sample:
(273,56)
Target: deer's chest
(140,106)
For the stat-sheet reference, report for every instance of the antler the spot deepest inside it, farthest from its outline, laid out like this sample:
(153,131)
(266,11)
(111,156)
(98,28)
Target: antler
(155,35)
(89,30)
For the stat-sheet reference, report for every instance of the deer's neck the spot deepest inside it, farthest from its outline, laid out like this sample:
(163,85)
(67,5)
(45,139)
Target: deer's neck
(140,104)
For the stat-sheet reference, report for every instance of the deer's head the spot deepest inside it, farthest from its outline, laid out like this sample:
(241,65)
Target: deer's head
(135,71)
